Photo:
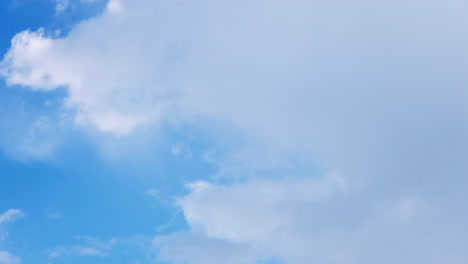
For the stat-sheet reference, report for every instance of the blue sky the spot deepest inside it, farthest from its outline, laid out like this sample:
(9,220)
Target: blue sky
(236,132)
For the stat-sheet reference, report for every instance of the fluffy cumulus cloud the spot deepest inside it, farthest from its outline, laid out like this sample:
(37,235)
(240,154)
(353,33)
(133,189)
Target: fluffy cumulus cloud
(250,222)
(299,221)
(373,90)
(366,89)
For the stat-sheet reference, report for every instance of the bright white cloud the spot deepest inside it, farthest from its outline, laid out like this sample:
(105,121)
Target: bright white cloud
(265,201)
(199,249)
(373,90)
(303,221)
(114,6)
(305,76)
(251,222)
(111,105)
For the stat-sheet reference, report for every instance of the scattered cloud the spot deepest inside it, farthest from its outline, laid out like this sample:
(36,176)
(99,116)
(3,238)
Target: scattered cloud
(7,258)
(181,149)
(32,136)
(75,251)
(11,215)
(89,246)
(53,214)
(61,6)
(159,198)
(153,193)
(94,247)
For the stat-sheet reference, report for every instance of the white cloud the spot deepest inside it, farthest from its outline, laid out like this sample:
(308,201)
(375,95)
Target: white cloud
(10,215)
(111,109)
(76,251)
(53,214)
(199,249)
(61,5)
(249,222)
(7,258)
(301,221)
(94,247)
(83,251)
(88,246)
(29,133)
(371,90)
(301,81)
(37,143)
(114,6)
(265,201)
(153,193)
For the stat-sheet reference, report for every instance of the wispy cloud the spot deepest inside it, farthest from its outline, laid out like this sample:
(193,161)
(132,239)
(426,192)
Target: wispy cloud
(53,214)
(7,258)
(11,215)
(61,5)
(94,247)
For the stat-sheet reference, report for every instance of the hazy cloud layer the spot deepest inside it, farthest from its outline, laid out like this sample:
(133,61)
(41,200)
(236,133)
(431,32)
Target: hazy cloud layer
(367,89)
(373,90)
(7,258)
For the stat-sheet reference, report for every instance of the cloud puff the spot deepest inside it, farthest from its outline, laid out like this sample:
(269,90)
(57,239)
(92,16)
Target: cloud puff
(32,63)
(7,258)
(10,215)
(353,90)
(114,6)
(33,132)
(199,249)
(239,210)
(302,221)
(53,214)
(61,5)
(89,246)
